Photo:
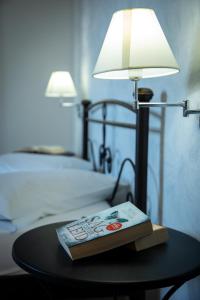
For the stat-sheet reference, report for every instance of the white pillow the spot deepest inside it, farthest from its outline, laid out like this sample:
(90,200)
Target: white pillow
(26,162)
(32,195)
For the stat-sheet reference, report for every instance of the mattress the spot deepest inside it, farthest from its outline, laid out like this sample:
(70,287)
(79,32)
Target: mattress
(7,265)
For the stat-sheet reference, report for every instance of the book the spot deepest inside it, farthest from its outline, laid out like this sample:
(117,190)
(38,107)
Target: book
(158,236)
(107,229)
(43,149)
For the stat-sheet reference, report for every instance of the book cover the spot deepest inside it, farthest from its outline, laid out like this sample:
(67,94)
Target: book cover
(105,230)
(158,236)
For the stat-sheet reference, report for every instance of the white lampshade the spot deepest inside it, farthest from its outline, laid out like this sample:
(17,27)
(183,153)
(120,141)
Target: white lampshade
(60,85)
(135,47)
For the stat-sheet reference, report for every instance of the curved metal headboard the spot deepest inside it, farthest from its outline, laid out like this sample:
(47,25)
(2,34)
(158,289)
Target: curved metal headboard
(142,131)
(112,102)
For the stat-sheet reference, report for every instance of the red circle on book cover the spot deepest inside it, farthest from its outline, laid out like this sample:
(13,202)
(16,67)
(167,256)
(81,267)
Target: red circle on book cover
(114,226)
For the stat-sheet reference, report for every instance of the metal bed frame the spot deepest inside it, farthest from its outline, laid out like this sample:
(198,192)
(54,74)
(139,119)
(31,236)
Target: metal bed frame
(141,140)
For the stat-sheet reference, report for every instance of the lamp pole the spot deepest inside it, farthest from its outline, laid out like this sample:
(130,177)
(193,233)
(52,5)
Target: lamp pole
(141,154)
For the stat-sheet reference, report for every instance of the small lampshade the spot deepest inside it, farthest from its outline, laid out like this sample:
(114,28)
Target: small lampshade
(135,47)
(60,85)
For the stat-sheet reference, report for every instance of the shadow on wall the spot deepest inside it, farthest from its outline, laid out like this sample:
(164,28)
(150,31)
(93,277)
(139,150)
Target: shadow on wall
(163,98)
(157,173)
(194,67)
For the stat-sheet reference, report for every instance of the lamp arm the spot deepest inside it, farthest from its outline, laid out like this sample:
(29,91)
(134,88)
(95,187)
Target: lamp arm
(184,104)
(160,104)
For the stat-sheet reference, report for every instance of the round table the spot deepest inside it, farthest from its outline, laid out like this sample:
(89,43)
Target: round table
(120,271)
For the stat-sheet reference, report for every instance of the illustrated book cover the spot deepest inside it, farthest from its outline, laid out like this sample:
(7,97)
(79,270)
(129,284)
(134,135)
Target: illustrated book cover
(107,229)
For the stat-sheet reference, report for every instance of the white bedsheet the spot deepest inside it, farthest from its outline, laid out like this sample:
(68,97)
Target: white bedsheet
(13,162)
(34,186)
(29,195)
(7,265)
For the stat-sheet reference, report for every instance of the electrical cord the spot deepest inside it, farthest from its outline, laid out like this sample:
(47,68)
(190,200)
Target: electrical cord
(129,196)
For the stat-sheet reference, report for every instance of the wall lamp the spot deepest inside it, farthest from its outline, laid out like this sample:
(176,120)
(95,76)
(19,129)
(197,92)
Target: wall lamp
(134,48)
(61,86)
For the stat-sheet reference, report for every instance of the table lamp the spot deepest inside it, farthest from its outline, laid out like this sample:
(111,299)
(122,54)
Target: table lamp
(134,48)
(61,86)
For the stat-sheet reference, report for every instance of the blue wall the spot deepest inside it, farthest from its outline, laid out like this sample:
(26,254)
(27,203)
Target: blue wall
(174,160)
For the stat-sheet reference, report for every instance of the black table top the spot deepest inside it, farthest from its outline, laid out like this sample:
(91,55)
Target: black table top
(39,252)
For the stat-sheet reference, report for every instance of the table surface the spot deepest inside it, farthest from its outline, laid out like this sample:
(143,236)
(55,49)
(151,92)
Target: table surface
(39,252)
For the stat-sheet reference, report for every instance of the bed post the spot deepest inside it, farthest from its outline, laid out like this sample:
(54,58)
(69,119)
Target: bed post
(141,159)
(85,104)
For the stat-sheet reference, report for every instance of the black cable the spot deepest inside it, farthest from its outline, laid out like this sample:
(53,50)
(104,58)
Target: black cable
(118,180)
(130,197)
(172,290)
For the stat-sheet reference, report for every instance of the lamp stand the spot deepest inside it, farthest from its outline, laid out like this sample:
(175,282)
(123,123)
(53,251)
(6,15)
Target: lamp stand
(141,152)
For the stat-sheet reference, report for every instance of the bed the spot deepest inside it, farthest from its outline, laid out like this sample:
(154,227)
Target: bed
(37,189)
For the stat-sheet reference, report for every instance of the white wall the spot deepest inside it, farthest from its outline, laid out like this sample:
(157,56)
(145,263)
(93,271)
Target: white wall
(36,39)
(173,185)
